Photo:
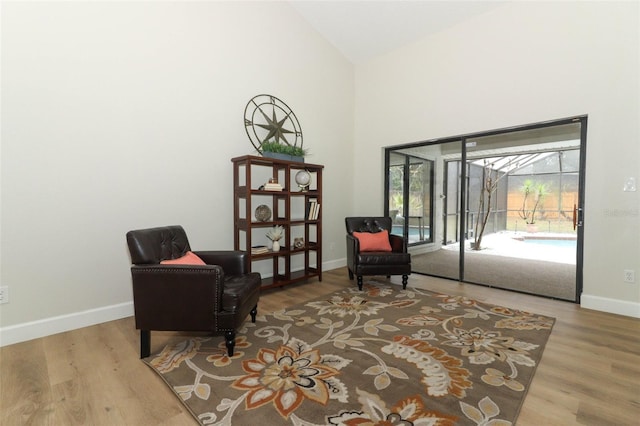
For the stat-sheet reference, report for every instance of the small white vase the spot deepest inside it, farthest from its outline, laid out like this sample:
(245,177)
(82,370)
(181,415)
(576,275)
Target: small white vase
(276,246)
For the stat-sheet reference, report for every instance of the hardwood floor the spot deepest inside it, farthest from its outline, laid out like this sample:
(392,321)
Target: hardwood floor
(589,373)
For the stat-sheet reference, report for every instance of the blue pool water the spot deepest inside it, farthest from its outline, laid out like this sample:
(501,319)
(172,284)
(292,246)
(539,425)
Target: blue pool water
(551,242)
(414,233)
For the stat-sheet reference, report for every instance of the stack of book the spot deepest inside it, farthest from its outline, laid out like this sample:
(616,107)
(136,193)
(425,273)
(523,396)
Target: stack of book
(259,249)
(272,185)
(313,209)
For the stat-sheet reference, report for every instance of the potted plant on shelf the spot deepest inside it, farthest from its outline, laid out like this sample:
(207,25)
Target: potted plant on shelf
(275,234)
(534,192)
(282,151)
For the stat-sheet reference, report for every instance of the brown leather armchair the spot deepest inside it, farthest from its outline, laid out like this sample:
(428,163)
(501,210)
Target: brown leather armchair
(359,263)
(215,297)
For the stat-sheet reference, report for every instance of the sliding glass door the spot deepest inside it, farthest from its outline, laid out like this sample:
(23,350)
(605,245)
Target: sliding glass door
(505,207)
(521,194)
(414,182)
(410,197)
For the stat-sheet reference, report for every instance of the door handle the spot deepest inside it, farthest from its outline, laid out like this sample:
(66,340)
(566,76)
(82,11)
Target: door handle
(577,216)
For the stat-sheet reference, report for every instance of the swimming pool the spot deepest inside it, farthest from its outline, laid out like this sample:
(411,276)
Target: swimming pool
(551,242)
(414,232)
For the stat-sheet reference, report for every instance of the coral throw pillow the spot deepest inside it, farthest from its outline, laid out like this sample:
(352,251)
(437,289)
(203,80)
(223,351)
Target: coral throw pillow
(378,241)
(188,259)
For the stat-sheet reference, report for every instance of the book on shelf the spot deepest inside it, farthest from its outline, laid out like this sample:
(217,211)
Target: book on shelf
(311,205)
(259,249)
(272,187)
(313,209)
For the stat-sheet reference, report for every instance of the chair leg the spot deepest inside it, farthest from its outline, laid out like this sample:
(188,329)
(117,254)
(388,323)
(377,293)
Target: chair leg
(360,282)
(350,274)
(405,279)
(230,340)
(254,312)
(145,343)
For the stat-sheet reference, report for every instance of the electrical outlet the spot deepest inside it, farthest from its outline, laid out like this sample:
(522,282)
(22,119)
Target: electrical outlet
(4,294)
(629,276)
(629,185)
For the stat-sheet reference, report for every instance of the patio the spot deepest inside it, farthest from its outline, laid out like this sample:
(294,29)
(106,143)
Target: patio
(550,247)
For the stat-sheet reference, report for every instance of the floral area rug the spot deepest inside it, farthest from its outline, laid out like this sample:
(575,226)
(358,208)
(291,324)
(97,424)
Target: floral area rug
(383,356)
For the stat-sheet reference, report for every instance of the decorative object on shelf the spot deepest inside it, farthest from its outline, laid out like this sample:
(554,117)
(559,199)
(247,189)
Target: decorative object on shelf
(263,213)
(272,185)
(281,151)
(275,234)
(303,179)
(298,242)
(259,249)
(273,128)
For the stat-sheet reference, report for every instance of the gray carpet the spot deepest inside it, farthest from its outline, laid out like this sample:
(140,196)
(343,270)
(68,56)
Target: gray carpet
(550,279)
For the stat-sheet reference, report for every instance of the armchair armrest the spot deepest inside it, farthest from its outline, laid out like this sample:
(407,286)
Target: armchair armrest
(353,248)
(176,297)
(232,262)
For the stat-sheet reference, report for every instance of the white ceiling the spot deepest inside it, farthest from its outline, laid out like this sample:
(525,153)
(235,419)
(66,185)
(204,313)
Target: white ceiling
(362,30)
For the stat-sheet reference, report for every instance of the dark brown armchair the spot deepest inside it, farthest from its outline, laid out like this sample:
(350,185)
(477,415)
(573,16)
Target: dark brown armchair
(390,260)
(215,297)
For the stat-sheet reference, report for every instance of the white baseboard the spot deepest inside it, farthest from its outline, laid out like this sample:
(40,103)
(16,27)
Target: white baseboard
(54,325)
(613,306)
(334,264)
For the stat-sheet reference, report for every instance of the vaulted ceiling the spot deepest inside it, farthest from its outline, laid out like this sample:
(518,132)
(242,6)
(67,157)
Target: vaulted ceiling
(362,30)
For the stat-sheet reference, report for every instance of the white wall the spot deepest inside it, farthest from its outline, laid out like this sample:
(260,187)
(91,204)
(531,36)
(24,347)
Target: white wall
(521,63)
(123,115)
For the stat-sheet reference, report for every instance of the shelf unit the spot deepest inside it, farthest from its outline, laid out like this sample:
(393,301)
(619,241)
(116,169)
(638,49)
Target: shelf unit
(289,209)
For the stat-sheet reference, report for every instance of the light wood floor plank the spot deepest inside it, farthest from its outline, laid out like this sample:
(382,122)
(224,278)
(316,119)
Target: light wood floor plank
(560,408)
(70,403)
(24,385)
(589,373)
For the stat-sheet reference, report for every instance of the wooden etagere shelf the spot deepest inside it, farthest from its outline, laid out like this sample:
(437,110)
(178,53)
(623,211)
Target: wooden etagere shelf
(298,212)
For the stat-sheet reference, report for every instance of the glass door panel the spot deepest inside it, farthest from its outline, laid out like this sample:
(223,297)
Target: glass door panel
(396,188)
(431,199)
(410,197)
(420,214)
(520,198)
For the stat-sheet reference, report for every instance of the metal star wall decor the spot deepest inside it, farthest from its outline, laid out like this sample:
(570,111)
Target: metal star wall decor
(268,119)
